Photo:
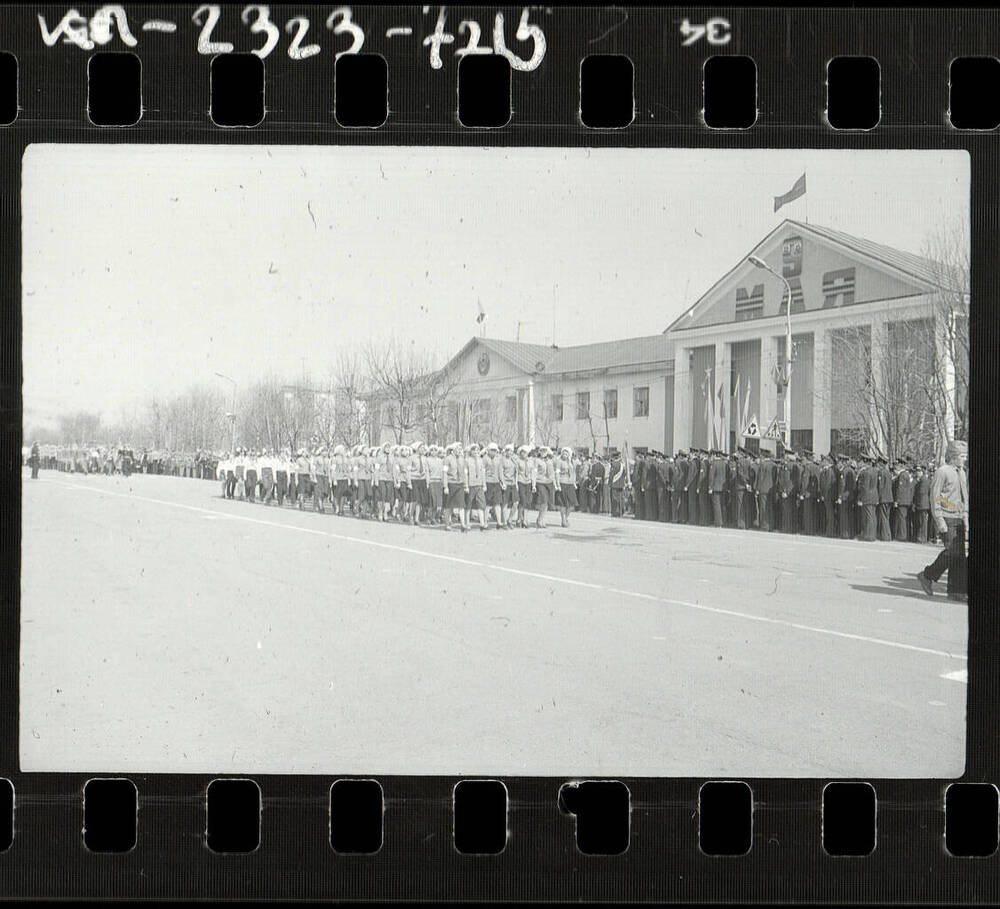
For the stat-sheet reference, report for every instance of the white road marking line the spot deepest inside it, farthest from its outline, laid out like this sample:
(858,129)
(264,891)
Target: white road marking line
(571,582)
(937,703)
(959,675)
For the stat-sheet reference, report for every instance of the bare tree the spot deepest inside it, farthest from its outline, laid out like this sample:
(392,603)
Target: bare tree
(948,250)
(399,376)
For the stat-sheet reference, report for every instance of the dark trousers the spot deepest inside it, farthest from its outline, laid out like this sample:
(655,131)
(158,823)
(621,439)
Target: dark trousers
(951,559)
(692,512)
(651,505)
(251,485)
(920,525)
(281,484)
(831,519)
(717,508)
(868,522)
(639,504)
(808,515)
(788,504)
(902,523)
(663,503)
(739,516)
(705,507)
(617,501)
(230,484)
(764,509)
(680,507)
(34,470)
(595,498)
(266,486)
(884,532)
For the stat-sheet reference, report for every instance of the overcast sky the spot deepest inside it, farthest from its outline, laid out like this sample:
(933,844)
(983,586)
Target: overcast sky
(149,268)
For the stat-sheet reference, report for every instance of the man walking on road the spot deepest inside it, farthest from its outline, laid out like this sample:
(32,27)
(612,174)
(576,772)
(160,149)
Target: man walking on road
(950,515)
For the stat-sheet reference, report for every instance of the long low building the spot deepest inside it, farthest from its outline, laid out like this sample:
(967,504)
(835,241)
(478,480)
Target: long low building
(860,313)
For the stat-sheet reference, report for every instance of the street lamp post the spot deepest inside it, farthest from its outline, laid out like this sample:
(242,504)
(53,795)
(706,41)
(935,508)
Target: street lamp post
(785,377)
(232,415)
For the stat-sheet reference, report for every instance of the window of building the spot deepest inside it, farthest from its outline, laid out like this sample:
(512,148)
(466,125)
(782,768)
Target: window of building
(611,403)
(802,440)
(557,407)
(749,305)
(511,410)
(582,405)
(640,401)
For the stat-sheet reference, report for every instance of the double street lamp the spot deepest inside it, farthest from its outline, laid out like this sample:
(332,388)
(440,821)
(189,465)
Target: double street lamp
(783,376)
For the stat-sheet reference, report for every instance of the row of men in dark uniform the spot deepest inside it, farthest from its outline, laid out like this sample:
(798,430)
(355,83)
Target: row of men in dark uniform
(861,497)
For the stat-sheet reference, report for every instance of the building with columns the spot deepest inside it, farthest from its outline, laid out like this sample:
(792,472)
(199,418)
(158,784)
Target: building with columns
(859,310)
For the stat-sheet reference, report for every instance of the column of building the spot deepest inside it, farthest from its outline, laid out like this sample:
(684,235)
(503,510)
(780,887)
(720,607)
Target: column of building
(682,398)
(723,380)
(879,350)
(822,391)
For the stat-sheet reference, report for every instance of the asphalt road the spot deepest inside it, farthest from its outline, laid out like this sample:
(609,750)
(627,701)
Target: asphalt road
(165,629)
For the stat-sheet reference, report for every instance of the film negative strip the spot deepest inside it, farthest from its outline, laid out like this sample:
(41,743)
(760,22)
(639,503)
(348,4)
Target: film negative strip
(457,464)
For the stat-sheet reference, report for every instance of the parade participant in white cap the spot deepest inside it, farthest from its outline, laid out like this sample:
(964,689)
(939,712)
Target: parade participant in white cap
(508,485)
(241,480)
(266,477)
(545,483)
(456,485)
(434,465)
(362,482)
(340,475)
(402,482)
(281,476)
(494,492)
(525,470)
(384,472)
(476,503)
(565,471)
(250,465)
(418,481)
(949,501)
(303,485)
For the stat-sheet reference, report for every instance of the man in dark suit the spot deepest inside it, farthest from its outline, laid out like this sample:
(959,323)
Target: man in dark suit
(765,491)
(885,500)
(680,488)
(717,485)
(665,486)
(846,482)
(650,487)
(739,487)
(691,487)
(921,503)
(903,494)
(788,475)
(808,490)
(704,490)
(868,498)
(827,486)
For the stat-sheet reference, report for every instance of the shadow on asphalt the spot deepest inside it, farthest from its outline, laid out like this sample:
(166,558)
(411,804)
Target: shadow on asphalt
(896,587)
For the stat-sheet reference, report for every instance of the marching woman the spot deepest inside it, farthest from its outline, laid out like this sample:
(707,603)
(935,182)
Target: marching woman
(251,476)
(384,470)
(281,476)
(402,482)
(456,485)
(303,484)
(362,481)
(494,493)
(545,484)
(340,476)
(566,484)
(508,486)
(476,481)
(434,466)
(418,482)
(525,472)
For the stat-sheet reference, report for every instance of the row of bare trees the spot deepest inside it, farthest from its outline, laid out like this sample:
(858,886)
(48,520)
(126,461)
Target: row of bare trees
(385,389)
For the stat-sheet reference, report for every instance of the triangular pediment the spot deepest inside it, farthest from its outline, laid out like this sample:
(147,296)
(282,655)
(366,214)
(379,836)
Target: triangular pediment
(825,269)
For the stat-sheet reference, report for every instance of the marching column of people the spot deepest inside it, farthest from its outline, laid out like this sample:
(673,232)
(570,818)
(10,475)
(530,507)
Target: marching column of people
(460,486)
